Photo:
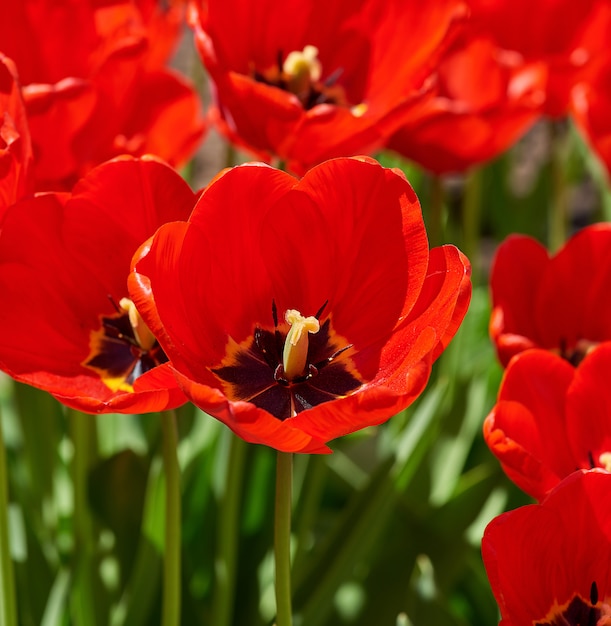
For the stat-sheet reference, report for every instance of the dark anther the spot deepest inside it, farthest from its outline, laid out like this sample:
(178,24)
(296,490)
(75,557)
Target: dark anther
(277,333)
(328,360)
(594,593)
(322,308)
(275,313)
(117,308)
(334,77)
(591,459)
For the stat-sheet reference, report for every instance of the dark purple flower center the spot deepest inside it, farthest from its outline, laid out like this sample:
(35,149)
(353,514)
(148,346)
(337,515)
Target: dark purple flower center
(301,74)
(581,612)
(254,371)
(116,353)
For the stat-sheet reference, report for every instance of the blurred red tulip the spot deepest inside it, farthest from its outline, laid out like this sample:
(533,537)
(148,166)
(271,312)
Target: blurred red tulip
(484,101)
(93,87)
(562,303)
(591,103)
(15,145)
(308,81)
(563,37)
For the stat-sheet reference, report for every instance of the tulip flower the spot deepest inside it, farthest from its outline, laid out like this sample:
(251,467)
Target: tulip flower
(297,311)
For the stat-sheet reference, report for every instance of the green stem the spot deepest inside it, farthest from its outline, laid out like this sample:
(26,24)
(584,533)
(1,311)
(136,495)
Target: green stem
(83,433)
(172,545)
(558,219)
(472,204)
(282,538)
(435,222)
(230,156)
(229,517)
(8,604)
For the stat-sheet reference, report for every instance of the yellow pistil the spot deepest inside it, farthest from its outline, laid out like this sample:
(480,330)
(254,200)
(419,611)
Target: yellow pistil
(295,355)
(143,335)
(605,460)
(301,70)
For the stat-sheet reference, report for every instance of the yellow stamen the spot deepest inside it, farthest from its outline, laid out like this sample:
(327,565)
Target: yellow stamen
(301,69)
(605,460)
(295,353)
(144,337)
(358,110)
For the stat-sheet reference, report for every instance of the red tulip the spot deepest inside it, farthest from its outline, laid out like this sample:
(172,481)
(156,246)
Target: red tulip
(15,144)
(548,563)
(551,418)
(562,303)
(484,101)
(562,37)
(297,311)
(93,87)
(591,105)
(308,81)
(70,328)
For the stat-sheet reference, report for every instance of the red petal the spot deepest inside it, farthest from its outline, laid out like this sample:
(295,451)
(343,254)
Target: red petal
(351,233)
(541,555)
(589,407)
(517,270)
(249,422)
(573,296)
(527,429)
(15,143)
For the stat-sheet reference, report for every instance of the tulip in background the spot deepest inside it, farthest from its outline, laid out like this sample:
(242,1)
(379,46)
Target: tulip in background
(484,100)
(95,86)
(560,303)
(16,148)
(305,82)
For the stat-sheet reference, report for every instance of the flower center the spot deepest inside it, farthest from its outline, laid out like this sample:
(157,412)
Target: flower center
(578,352)
(286,371)
(301,74)
(123,348)
(580,612)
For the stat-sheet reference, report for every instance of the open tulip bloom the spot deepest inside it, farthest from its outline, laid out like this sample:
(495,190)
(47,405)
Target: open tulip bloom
(560,303)
(64,262)
(548,563)
(306,81)
(297,311)
(552,418)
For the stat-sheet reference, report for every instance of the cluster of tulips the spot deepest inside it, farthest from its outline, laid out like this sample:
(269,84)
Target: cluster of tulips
(296,299)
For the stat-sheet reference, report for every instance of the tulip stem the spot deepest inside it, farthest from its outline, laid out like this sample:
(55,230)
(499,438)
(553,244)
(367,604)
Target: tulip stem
(84,440)
(8,605)
(282,538)
(229,517)
(435,213)
(558,212)
(171,570)
(472,216)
